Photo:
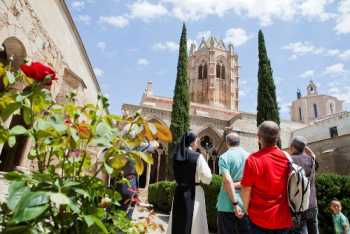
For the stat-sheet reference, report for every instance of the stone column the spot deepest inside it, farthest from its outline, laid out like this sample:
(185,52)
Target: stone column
(158,165)
(148,174)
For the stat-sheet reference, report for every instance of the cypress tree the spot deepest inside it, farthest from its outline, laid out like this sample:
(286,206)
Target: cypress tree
(180,114)
(267,102)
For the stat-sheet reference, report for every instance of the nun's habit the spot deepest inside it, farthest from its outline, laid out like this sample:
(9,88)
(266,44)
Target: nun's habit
(188,214)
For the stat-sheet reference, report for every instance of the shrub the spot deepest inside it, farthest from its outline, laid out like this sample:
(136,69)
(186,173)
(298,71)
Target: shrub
(328,187)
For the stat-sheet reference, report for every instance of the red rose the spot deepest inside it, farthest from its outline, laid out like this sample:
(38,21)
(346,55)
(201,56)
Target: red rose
(38,72)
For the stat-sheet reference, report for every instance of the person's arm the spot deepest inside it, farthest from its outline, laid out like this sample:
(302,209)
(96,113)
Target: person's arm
(346,229)
(245,194)
(237,184)
(203,170)
(230,189)
(308,151)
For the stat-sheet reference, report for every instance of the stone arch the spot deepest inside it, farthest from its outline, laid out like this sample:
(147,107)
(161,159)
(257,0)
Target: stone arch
(223,59)
(200,58)
(211,138)
(13,46)
(156,119)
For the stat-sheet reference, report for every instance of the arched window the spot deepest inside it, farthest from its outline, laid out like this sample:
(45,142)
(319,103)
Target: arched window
(300,116)
(223,71)
(200,70)
(217,71)
(331,108)
(315,110)
(203,70)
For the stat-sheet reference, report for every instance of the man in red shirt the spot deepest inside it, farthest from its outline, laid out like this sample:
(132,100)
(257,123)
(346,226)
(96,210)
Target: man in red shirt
(264,185)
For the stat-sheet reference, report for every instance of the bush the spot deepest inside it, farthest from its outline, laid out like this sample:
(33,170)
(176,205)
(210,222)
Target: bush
(328,187)
(331,187)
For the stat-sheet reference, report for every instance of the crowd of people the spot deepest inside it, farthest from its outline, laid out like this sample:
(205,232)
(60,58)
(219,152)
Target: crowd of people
(253,197)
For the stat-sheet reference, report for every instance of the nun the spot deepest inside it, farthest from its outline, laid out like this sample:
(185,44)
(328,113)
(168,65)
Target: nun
(188,213)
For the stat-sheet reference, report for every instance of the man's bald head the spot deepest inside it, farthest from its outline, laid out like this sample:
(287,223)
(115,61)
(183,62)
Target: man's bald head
(233,139)
(269,132)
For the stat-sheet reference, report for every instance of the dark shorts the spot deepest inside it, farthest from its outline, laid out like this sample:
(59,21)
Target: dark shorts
(255,229)
(228,221)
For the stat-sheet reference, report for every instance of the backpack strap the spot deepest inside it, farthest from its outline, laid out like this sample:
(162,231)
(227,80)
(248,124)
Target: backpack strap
(288,156)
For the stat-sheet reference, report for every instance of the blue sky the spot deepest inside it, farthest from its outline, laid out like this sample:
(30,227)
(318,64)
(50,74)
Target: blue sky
(131,42)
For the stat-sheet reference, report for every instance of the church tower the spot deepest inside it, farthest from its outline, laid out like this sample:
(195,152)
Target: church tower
(213,73)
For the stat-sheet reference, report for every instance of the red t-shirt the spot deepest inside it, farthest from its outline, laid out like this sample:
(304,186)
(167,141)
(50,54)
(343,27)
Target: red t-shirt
(266,172)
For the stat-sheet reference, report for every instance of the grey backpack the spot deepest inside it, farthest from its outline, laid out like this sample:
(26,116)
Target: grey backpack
(298,187)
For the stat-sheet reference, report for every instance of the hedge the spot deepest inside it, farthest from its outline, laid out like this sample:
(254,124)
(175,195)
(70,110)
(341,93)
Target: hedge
(328,187)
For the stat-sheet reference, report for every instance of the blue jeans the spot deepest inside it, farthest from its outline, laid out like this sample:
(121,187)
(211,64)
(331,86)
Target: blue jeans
(308,222)
(228,221)
(255,229)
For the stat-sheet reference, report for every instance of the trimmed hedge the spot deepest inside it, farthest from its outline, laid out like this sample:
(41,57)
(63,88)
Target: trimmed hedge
(328,187)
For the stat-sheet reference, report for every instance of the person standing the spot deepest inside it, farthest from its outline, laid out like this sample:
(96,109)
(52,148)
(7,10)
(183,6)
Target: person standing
(230,205)
(264,185)
(188,213)
(304,157)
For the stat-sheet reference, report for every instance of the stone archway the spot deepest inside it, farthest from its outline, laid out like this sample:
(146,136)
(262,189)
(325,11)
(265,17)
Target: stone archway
(211,146)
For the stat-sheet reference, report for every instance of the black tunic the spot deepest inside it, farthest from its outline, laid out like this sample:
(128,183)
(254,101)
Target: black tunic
(183,204)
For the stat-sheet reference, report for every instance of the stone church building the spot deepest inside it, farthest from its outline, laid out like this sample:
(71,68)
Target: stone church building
(43,31)
(213,71)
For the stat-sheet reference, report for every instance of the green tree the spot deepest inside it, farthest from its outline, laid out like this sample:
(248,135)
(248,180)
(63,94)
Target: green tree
(267,102)
(180,114)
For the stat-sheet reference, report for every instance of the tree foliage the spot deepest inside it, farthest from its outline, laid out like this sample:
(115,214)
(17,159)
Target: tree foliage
(267,106)
(180,114)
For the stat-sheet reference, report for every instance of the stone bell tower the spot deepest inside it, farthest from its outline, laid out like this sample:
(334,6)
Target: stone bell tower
(213,73)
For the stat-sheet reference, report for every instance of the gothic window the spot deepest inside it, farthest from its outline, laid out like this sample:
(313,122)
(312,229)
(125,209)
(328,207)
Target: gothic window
(331,108)
(200,70)
(300,116)
(217,71)
(315,110)
(223,72)
(203,70)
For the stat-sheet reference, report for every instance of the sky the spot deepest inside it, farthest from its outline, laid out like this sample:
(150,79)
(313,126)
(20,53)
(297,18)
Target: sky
(132,42)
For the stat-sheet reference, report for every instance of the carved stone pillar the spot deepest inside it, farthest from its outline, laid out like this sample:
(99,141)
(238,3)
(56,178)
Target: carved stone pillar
(148,174)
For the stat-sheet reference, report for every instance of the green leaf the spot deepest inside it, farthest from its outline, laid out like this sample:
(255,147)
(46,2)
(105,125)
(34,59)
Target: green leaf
(89,220)
(28,213)
(82,192)
(108,168)
(70,183)
(11,141)
(57,123)
(12,176)
(74,134)
(43,125)
(16,184)
(10,77)
(22,96)
(73,205)
(27,115)
(115,117)
(16,196)
(34,199)
(18,130)
(4,134)
(42,99)
(59,198)
(104,133)
(100,224)
(12,107)
(57,107)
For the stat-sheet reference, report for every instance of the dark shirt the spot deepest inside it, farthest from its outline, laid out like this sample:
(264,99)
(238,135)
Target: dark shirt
(306,162)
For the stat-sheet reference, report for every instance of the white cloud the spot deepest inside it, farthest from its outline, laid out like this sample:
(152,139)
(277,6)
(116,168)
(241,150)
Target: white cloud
(101,45)
(335,70)
(111,54)
(158,46)
(300,48)
(205,34)
(98,72)
(279,99)
(293,57)
(342,93)
(242,82)
(343,20)
(78,5)
(171,46)
(278,80)
(284,107)
(84,18)
(143,62)
(237,36)
(147,11)
(244,91)
(162,71)
(345,55)
(133,49)
(332,52)
(118,21)
(307,74)
(316,9)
